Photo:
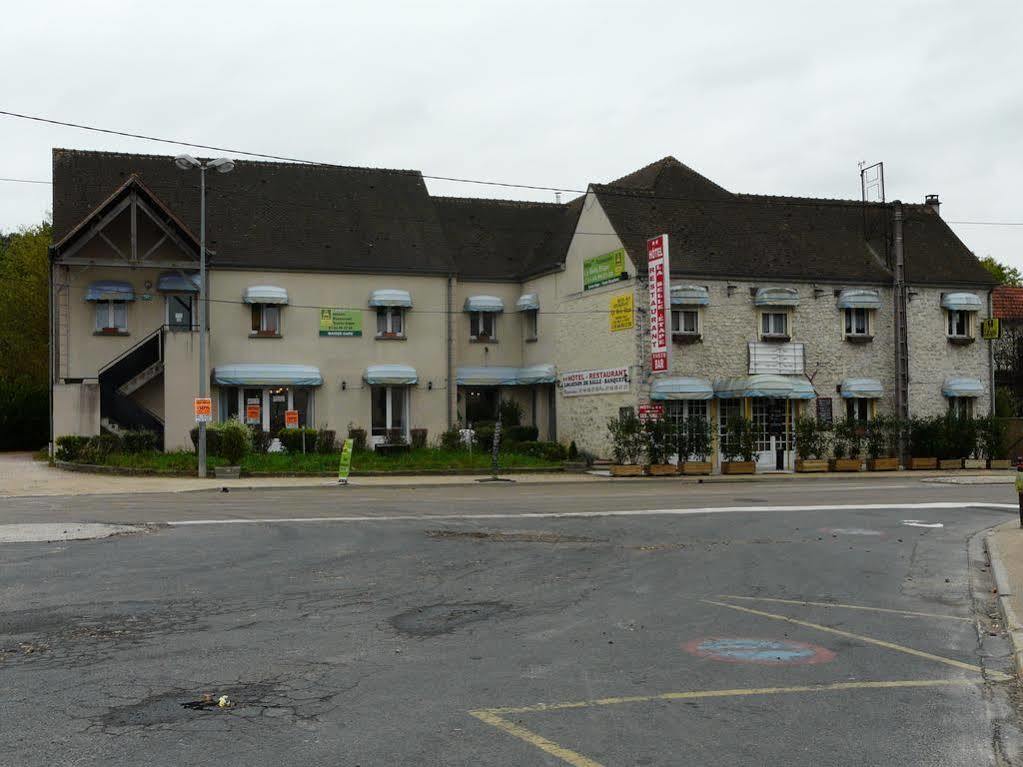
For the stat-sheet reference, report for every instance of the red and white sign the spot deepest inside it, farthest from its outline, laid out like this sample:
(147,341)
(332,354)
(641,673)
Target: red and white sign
(252,413)
(603,381)
(659,283)
(651,413)
(203,410)
(290,419)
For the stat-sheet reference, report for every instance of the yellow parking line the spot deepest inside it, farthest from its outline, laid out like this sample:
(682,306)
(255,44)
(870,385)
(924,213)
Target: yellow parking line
(520,732)
(803,602)
(996,675)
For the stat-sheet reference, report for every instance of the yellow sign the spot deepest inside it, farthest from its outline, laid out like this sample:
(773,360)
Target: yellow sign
(990,328)
(622,315)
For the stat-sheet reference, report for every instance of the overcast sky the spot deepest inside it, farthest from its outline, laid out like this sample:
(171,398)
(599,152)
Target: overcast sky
(763,97)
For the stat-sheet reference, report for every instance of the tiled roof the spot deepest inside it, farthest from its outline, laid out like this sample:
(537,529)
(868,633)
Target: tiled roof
(1008,302)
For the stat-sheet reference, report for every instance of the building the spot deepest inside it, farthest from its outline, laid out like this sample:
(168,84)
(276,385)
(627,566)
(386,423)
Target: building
(355,297)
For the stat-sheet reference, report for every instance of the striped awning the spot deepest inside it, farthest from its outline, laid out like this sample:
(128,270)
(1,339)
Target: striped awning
(776,297)
(536,374)
(265,294)
(764,385)
(110,290)
(391,375)
(681,388)
(861,388)
(484,304)
(689,295)
(505,375)
(390,297)
(859,298)
(528,302)
(176,282)
(961,302)
(267,374)
(961,386)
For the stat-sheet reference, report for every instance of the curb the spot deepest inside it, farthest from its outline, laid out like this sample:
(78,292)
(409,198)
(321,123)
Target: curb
(128,471)
(1013,625)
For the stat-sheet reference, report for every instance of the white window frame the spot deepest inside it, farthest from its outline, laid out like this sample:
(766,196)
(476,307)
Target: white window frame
(392,392)
(530,324)
(476,325)
(773,331)
(951,315)
(678,322)
(849,326)
(857,407)
(193,304)
(111,316)
(390,314)
(263,332)
(961,406)
(264,404)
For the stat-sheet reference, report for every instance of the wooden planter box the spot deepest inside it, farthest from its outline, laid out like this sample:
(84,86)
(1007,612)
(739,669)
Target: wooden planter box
(923,463)
(227,472)
(812,464)
(662,470)
(697,467)
(738,467)
(882,464)
(950,463)
(845,464)
(999,463)
(974,463)
(626,470)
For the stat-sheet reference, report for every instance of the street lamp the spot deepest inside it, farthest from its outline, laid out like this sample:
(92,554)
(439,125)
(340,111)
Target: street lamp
(221,165)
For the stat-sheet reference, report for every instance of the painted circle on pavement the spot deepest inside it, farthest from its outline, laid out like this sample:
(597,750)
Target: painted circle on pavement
(772,652)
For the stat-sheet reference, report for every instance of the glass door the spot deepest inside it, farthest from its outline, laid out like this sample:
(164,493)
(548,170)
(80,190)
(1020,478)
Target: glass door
(771,416)
(278,404)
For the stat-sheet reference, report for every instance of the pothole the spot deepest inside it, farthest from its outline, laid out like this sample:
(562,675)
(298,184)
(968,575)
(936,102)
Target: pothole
(522,537)
(177,706)
(444,618)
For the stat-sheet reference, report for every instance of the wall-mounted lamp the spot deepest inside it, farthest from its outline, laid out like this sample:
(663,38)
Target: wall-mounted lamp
(344,385)
(429,385)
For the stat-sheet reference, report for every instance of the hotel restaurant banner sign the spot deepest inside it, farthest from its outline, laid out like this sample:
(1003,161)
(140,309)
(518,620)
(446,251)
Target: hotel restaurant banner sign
(604,270)
(659,283)
(603,381)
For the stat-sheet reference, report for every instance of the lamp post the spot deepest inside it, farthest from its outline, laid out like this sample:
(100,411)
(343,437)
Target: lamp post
(221,165)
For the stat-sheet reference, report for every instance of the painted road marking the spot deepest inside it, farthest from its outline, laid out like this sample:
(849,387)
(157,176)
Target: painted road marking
(920,523)
(851,531)
(996,675)
(584,514)
(771,652)
(495,716)
(804,603)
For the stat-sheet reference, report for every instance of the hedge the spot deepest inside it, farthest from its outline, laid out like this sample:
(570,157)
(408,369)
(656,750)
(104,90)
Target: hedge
(24,415)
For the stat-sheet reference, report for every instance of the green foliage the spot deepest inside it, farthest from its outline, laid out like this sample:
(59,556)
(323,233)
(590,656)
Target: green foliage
(213,434)
(139,441)
(992,432)
(549,451)
(627,439)
(70,447)
(521,433)
(24,414)
(573,451)
(260,439)
(811,438)
(511,412)
(99,447)
(1005,402)
(358,436)
(419,438)
(882,436)
(291,439)
(740,442)
(1005,274)
(959,437)
(924,437)
(326,441)
(235,441)
(451,439)
(850,434)
(24,315)
(660,440)
(483,435)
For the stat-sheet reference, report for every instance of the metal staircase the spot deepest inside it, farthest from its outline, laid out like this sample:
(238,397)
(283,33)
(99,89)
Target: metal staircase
(126,374)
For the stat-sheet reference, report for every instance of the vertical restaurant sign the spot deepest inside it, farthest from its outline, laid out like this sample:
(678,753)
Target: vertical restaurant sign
(659,283)
(604,269)
(340,322)
(621,312)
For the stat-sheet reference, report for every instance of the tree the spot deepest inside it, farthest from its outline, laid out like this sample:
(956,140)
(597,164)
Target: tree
(24,316)
(1005,274)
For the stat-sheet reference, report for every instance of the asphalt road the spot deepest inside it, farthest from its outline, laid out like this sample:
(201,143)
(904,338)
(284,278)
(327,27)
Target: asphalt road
(474,626)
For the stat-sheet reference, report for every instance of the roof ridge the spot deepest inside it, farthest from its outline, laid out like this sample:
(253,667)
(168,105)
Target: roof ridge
(498,201)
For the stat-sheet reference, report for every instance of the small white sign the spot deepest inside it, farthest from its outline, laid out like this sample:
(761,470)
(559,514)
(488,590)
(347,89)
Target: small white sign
(603,381)
(777,358)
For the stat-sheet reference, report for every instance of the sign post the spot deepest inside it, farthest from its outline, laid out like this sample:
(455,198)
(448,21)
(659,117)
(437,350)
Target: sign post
(659,284)
(344,467)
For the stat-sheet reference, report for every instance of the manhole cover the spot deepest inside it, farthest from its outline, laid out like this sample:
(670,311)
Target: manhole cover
(444,618)
(773,652)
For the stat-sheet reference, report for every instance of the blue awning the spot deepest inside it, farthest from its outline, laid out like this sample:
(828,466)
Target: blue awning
(265,294)
(176,282)
(536,374)
(484,304)
(110,290)
(256,374)
(776,297)
(389,297)
(960,386)
(505,375)
(961,302)
(689,295)
(859,298)
(764,385)
(391,375)
(681,388)
(861,388)
(528,302)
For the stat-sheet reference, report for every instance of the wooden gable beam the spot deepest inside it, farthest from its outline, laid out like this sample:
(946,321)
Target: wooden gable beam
(96,229)
(168,231)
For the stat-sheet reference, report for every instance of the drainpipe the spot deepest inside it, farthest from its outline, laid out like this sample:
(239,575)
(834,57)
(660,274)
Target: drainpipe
(991,356)
(451,388)
(52,349)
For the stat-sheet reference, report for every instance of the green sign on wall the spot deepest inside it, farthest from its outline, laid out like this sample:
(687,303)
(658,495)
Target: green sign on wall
(603,270)
(340,322)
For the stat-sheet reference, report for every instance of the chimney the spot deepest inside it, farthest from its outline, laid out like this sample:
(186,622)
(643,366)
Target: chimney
(934,202)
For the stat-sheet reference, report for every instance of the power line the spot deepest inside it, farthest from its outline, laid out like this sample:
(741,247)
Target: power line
(24,181)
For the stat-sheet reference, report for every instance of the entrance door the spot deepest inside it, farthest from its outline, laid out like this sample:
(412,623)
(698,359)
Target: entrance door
(771,415)
(277,405)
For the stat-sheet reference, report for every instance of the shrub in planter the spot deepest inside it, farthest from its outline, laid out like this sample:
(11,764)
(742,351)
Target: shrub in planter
(326,441)
(139,441)
(358,436)
(882,436)
(419,438)
(847,445)
(70,447)
(521,433)
(212,438)
(627,439)
(291,439)
(739,447)
(260,439)
(660,442)
(235,441)
(991,441)
(924,442)
(694,445)
(810,445)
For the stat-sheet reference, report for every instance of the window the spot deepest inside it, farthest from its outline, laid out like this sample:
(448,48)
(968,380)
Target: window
(857,322)
(266,320)
(265,406)
(390,322)
(111,317)
(229,402)
(774,325)
(858,409)
(961,406)
(959,324)
(531,324)
(481,404)
(678,412)
(727,408)
(179,312)
(388,409)
(685,322)
(483,326)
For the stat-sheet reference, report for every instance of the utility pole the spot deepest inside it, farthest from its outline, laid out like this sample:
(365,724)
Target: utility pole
(901,325)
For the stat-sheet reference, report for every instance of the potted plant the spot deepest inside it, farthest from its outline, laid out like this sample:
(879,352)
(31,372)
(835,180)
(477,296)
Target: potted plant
(970,442)
(881,444)
(847,446)
(660,442)
(923,443)
(235,444)
(627,440)
(809,445)
(991,438)
(695,446)
(739,446)
(949,434)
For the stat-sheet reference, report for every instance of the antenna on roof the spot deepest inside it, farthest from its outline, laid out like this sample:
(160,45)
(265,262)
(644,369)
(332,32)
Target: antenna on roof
(557,197)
